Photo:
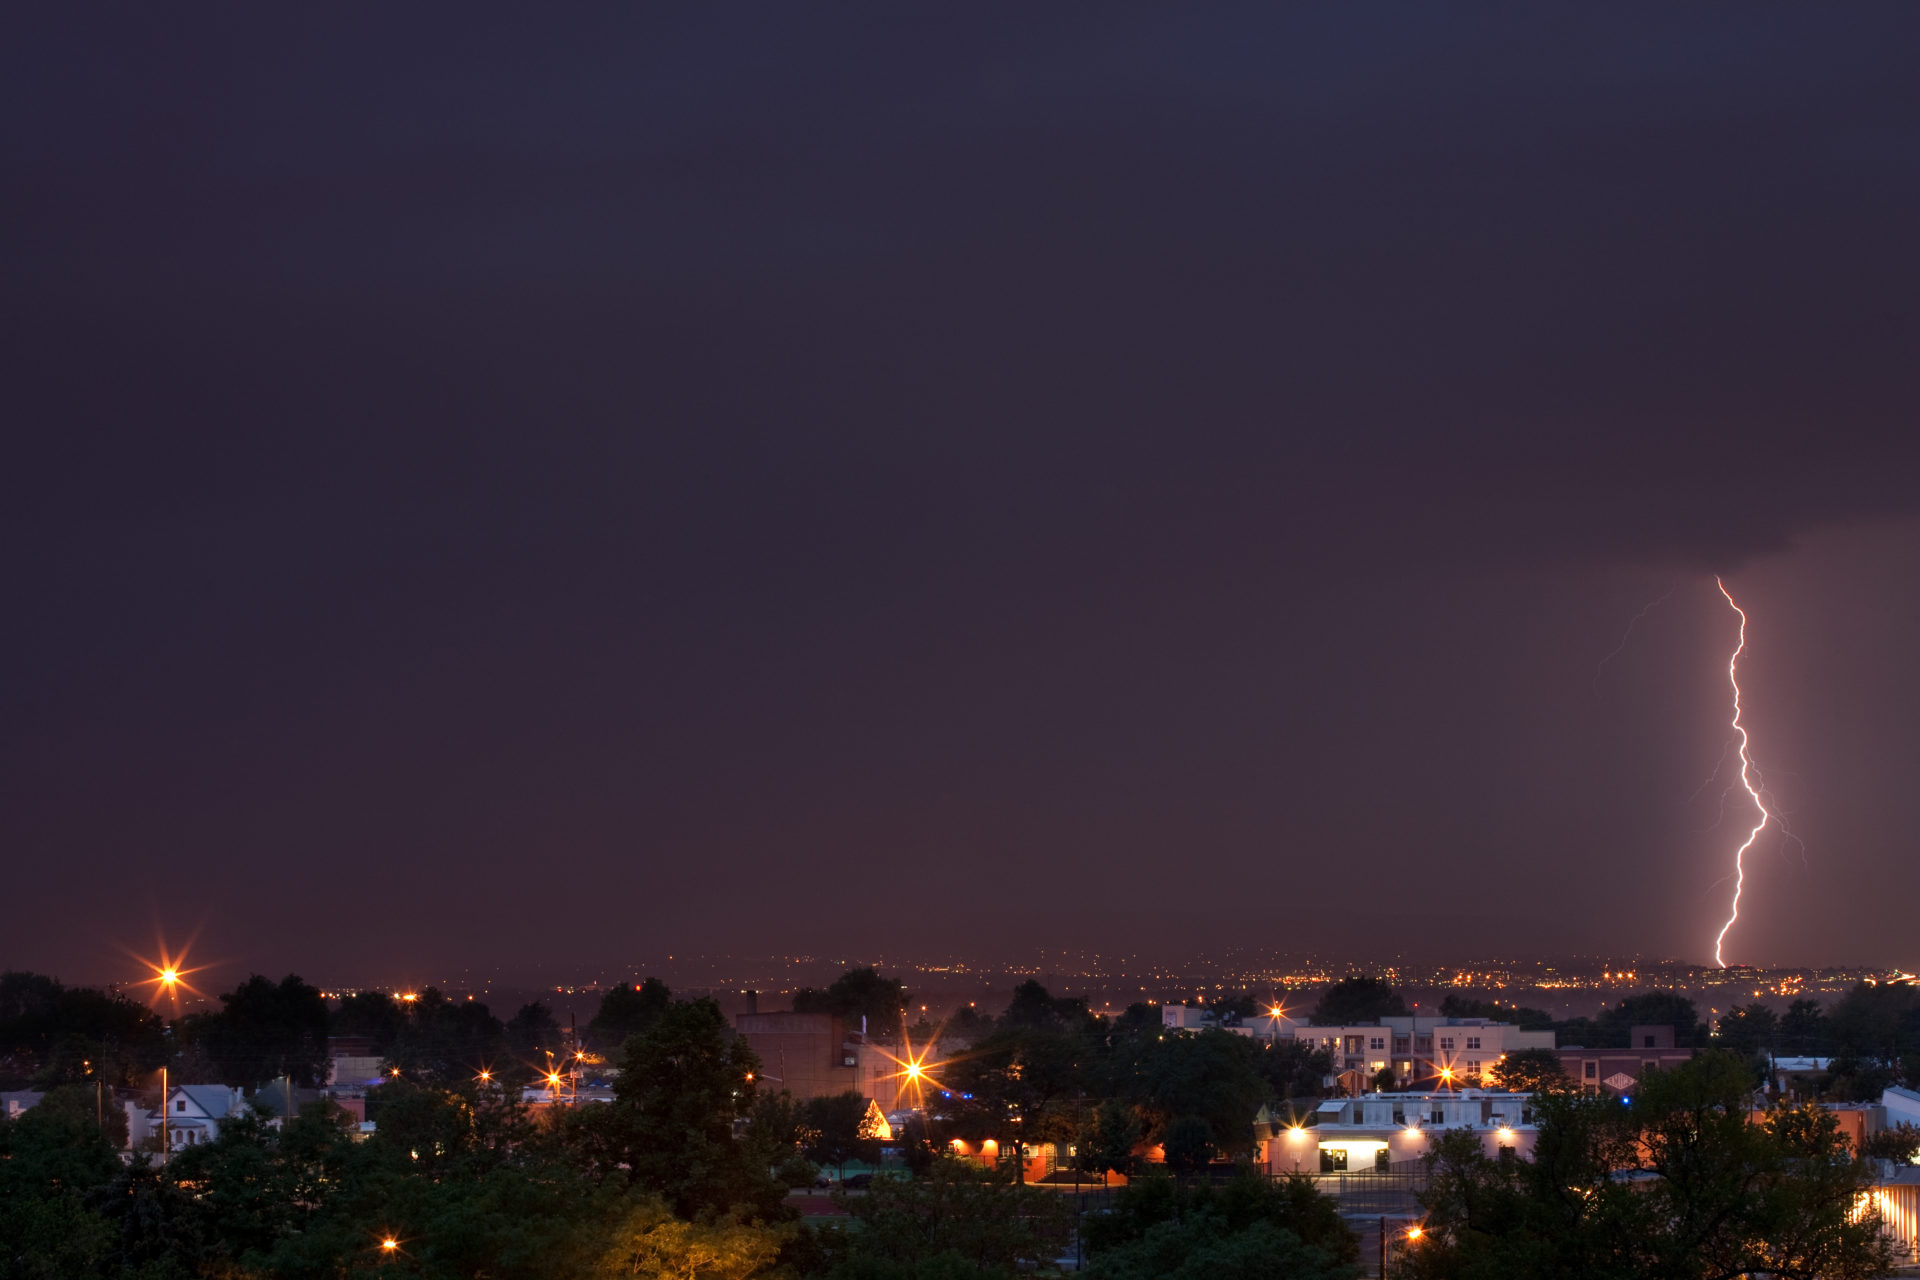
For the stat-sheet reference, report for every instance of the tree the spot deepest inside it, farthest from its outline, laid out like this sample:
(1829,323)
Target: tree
(855,995)
(532,1033)
(1879,1021)
(1140,1021)
(53,1034)
(1804,1030)
(373,1014)
(1900,1144)
(1249,1227)
(265,1030)
(448,1041)
(1653,1009)
(1018,1086)
(1705,1193)
(1188,1144)
(1354,1000)
(50,1160)
(1214,1075)
(959,1220)
(669,1131)
(1294,1068)
(1528,1071)
(1455,1006)
(651,1242)
(837,1128)
(1116,1132)
(625,1013)
(1748,1029)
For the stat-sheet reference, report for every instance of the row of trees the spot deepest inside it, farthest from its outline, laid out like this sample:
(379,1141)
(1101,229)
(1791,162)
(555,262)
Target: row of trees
(1679,1183)
(52,1034)
(678,1177)
(682,1174)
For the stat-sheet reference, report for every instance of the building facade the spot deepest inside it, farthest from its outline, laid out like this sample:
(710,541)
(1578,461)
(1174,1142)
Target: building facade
(1617,1071)
(1379,1132)
(1422,1052)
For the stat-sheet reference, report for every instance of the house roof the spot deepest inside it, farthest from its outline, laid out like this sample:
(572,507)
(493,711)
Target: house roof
(217,1100)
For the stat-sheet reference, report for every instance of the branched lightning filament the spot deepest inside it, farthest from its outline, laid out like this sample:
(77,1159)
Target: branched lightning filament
(1746,780)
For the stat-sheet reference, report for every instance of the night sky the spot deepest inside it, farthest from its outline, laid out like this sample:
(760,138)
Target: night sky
(488,492)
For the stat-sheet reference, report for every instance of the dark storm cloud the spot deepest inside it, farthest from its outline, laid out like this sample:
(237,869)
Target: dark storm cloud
(774,437)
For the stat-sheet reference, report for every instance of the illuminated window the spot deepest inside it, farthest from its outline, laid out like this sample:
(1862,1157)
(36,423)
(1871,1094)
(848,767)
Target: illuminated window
(1333,1159)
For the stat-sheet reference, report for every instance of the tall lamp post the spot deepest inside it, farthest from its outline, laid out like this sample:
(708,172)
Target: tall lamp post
(169,979)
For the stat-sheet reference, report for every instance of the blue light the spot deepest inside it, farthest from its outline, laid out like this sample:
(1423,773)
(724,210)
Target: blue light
(1625,1101)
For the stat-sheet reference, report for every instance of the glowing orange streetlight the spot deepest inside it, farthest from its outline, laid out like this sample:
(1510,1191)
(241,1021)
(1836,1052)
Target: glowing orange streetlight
(1415,1231)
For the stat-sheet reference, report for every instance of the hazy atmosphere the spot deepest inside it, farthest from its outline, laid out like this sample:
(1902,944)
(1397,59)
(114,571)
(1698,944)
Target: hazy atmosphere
(499,494)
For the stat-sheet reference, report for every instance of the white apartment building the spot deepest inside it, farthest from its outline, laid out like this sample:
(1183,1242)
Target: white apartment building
(1262,1026)
(1421,1050)
(1382,1131)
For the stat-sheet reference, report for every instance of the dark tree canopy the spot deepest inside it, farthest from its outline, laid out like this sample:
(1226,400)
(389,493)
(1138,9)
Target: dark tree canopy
(51,1033)
(1653,1009)
(1748,1029)
(264,1030)
(1249,1227)
(1354,1000)
(683,1083)
(858,994)
(1034,1008)
(1877,1020)
(1455,1006)
(373,1014)
(449,1041)
(1805,1030)
(625,1013)
(1716,1195)
(836,1129)
(1528,1071)
(532,1033)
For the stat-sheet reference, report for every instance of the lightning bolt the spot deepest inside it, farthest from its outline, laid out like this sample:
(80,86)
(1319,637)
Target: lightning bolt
(1746,779)
(1627,635)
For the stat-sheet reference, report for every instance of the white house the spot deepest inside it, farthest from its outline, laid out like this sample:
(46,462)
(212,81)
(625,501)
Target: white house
(1381,1131)
(18,1102)
(1902,1106)
(194,1113)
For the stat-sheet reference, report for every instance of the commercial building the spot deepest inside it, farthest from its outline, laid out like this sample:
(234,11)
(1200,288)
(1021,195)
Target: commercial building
(817,1055)
(1383,1131)
(1616,1071)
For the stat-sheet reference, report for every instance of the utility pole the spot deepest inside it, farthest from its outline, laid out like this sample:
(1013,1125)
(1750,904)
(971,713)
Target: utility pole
(163,1115)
